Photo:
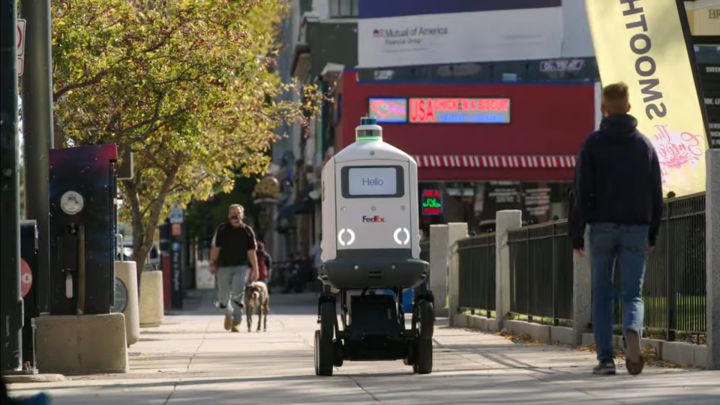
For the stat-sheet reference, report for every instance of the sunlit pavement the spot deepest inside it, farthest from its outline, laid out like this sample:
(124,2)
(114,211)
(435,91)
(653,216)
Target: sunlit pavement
(191,359)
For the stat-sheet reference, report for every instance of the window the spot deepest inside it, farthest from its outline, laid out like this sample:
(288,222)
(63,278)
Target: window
(344,8)
(372,181)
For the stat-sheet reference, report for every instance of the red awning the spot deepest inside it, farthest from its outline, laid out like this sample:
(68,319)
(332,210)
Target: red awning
(467,167)
(497,161)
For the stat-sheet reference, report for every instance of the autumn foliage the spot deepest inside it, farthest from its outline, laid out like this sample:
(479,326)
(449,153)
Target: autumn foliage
(189,86)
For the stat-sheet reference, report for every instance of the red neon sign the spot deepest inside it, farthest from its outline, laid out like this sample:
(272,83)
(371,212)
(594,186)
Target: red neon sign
(460,110)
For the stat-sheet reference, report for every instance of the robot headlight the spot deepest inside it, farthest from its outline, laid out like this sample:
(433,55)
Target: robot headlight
(401,236)
(346,237)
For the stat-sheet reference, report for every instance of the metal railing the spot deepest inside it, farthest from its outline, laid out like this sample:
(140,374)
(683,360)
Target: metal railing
(541,273)
(476,257)
(674,290)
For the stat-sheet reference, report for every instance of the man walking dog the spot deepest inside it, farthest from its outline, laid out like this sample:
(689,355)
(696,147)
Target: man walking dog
(231,256)
(618,193)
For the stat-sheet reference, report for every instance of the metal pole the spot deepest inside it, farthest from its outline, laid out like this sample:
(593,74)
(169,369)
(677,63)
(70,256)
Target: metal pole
(38,132)
(527,275)
(712,241)
(670,270)
(554,270)
(11,311)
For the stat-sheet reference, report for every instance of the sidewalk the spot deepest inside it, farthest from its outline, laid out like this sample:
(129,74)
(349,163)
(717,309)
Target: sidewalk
(190,358)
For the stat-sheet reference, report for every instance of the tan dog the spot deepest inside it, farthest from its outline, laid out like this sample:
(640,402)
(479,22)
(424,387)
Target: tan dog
(256,296)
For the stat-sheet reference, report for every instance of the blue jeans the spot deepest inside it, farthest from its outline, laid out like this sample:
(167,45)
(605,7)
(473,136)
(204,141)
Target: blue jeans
(231,282)
(626,245)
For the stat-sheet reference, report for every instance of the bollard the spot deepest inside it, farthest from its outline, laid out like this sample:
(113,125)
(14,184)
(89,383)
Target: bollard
(126,298)
(152,307)
(456,231)
(439,250)
(582,286)
(505,221)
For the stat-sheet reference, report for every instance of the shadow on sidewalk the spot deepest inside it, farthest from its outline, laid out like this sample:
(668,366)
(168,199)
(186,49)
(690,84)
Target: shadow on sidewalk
(201,302)
(493,385)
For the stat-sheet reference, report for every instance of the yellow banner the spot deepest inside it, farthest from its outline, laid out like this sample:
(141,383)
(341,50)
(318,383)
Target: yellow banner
(642,44)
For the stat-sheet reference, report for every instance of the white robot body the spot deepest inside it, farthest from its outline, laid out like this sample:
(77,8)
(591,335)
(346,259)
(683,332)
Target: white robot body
(370,216)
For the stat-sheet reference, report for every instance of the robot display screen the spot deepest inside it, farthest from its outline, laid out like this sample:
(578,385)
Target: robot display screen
(372,181)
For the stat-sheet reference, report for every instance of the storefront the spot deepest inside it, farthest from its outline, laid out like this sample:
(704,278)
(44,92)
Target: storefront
(479,147)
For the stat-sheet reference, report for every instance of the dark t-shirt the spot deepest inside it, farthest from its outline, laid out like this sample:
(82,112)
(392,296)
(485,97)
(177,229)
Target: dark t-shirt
(234,244)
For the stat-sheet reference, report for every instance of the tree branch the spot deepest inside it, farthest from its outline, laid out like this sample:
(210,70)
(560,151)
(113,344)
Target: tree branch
(77,85)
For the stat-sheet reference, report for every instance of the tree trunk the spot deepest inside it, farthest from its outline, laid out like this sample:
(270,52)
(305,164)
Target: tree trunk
(143,232)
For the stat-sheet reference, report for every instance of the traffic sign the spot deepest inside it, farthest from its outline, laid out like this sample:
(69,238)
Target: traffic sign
(26,278)
(20,46)
(176,214)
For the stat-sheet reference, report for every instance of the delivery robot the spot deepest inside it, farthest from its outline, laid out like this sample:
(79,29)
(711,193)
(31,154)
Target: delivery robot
(371,241)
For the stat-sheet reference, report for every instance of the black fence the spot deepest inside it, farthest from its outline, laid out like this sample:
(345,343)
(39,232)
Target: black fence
(541,273)
(476,257)
(674,291)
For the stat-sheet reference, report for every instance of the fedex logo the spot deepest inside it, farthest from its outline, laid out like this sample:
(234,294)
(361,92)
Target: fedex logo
(376,218)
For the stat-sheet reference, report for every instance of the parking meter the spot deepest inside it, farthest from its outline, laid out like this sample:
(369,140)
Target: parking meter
(82,229)
(28,289)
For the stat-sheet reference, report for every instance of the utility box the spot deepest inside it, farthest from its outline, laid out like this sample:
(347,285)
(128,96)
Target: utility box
(82,229)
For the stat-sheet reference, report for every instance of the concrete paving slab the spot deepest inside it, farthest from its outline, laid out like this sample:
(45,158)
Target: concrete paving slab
(191,359)
(33,378)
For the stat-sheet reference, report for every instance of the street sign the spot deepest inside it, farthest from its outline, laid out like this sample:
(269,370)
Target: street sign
(176,214)
(26,278)
(176,267)
(20,27)
(176,230)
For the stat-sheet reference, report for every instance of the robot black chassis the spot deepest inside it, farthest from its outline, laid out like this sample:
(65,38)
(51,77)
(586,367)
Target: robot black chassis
(372,327)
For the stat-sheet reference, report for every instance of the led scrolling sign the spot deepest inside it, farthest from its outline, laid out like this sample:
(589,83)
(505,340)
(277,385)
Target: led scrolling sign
(432,110)
(431,202)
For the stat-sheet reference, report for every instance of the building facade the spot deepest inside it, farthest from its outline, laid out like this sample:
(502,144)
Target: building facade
(491,127)
(480,146)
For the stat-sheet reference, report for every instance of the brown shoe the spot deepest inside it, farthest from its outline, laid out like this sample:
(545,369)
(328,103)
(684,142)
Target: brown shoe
(228,322)
(635,367)
(634,361)
(236,327)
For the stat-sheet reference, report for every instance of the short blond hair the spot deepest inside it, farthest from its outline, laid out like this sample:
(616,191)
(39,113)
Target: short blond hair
(238,206)
(615,98)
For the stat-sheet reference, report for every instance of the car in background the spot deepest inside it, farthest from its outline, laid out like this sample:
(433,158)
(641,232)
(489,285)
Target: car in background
(125,253)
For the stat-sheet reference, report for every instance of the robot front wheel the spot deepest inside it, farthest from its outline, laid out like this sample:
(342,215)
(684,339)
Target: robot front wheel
(325,348)
(423,322)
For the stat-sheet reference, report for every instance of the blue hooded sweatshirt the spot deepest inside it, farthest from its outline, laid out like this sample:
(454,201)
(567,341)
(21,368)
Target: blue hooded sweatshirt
(617,179)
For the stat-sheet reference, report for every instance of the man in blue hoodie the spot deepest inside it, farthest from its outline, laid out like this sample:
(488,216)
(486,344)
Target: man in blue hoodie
(618,193)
